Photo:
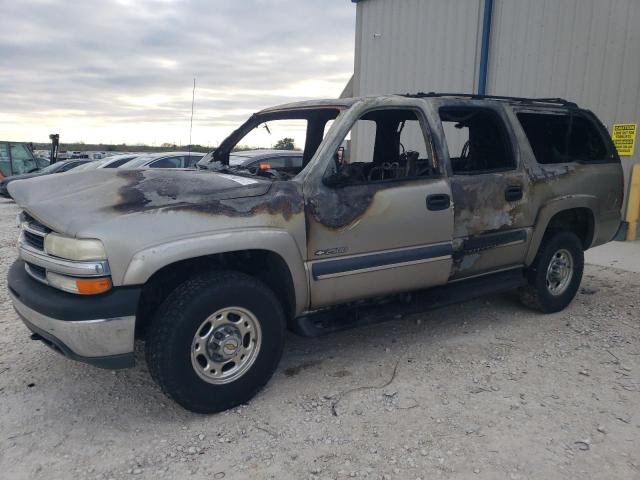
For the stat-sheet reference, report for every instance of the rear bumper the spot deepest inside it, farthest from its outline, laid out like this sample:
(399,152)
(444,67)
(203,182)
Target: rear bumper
(97,330)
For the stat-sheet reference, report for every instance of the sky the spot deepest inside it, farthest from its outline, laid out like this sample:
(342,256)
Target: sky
(121,71)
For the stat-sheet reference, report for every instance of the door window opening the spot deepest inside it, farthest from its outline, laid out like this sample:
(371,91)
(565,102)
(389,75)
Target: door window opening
(477,140)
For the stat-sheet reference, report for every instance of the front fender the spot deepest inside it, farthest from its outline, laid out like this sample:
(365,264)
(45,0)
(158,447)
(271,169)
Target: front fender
(553,207)
(148,261)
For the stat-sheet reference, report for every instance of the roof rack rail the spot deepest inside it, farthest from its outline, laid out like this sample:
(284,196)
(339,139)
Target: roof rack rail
(473,96)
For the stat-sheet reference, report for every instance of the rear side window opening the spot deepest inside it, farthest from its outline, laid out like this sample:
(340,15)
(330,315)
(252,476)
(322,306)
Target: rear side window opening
(563,138)
(477,140)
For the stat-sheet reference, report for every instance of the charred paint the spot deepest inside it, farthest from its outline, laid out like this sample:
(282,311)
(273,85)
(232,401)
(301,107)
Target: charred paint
(340,207)
(480,206)
(207,193)
(337,208)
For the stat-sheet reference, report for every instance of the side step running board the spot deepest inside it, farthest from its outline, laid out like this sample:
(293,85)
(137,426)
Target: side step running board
(343,318)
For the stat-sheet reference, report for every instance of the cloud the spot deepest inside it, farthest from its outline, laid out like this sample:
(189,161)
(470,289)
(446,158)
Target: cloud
(122,70)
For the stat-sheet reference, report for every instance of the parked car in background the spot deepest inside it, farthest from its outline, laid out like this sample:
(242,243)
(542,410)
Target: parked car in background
(58,167)
(110,162)
(42,162)
(16,158)
(165,160)
(287,160)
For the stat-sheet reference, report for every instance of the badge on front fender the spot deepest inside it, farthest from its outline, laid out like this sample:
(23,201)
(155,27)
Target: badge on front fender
(330,251)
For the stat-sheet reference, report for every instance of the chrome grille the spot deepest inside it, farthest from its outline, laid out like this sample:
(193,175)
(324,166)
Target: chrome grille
(34,224)
(33,231)
(34,240)
(36,271)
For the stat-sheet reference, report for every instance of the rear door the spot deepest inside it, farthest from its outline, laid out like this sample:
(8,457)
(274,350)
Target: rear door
(489,187)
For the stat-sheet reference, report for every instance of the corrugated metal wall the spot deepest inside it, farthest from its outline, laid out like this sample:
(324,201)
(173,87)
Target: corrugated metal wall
(400,45)
(587,51)
(583,50)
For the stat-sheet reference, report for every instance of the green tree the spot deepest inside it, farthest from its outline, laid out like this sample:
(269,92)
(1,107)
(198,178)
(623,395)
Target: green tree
(285,144)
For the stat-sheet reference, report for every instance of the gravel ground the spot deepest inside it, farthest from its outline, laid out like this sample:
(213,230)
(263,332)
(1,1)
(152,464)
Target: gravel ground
(485,389)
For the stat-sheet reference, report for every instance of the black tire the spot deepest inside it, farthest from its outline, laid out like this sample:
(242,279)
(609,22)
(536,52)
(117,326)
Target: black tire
(538,294)
(171,333)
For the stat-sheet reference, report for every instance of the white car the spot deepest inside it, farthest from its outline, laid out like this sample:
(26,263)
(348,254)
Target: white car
(165,160)
(110,162)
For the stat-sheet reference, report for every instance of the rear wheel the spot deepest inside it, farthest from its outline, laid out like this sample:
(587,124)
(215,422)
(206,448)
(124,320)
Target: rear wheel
(555,274)
(216,341)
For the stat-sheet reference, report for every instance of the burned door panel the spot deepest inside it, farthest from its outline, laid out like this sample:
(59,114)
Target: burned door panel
(490,232)
(489,187)
(384,236)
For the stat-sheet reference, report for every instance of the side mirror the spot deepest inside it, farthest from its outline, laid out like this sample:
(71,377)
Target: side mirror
(339,160)
(336,178)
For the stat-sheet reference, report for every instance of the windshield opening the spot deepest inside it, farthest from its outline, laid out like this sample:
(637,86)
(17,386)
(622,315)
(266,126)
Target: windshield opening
(255,147)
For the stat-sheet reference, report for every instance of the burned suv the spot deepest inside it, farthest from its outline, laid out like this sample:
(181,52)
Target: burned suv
(402,203)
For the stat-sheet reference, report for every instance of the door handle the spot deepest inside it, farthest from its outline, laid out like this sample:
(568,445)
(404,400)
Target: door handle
(438,201)
(513,193)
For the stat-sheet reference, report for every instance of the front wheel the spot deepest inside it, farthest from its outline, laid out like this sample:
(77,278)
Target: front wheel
(555,274)
(216,341)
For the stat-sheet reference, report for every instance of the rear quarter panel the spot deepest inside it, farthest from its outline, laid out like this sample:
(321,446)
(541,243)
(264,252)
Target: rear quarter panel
(597,186)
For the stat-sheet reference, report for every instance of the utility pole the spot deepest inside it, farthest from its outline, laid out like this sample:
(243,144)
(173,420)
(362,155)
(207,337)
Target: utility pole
(55,143)
(193,99)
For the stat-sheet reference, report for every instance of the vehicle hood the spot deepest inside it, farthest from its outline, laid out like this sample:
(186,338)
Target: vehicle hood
(71,202)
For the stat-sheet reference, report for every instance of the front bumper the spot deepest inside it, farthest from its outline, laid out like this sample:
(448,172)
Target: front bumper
(94,329)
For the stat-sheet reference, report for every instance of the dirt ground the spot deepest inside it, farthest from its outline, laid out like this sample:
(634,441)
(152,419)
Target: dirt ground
(486,389)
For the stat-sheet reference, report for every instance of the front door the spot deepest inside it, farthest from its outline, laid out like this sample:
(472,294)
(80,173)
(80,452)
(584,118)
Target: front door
(381,221)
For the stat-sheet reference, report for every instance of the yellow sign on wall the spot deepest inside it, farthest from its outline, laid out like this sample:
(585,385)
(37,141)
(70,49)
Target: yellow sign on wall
(624,138)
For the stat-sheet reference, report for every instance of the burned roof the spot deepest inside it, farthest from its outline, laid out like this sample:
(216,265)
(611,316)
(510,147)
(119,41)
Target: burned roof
(323,103)
(552,102)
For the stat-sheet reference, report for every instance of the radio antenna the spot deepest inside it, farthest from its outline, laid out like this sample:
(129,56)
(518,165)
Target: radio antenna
(193,99)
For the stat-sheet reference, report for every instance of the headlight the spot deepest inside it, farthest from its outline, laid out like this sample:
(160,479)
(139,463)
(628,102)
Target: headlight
(73,248)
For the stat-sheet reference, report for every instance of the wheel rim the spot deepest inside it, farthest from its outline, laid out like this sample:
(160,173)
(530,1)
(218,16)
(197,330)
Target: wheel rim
(225,345)
(559,272)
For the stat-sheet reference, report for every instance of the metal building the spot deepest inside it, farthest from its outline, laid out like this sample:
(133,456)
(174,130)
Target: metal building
(587,51)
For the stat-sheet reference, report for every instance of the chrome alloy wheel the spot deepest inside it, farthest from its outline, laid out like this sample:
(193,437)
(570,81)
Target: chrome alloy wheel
(225,345)
(559,272)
